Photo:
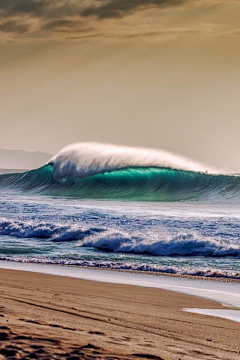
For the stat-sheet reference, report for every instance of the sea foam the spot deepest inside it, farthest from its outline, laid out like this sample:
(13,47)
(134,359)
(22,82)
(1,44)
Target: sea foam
(164,244)
(85,159)
(180,245)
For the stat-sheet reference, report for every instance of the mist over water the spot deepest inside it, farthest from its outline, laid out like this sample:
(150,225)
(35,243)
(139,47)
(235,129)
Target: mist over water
(84,159)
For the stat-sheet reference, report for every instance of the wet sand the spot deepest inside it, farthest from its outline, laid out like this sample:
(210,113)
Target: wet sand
(53,317)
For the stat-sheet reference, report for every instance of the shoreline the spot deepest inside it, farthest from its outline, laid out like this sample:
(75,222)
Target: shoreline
(62,317)
(183,276)
(220,291)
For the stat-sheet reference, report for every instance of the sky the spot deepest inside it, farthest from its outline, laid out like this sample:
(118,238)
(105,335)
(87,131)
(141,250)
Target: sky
(152,73)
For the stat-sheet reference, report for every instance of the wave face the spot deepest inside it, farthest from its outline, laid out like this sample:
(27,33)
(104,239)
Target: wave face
(136,184)
(110,172)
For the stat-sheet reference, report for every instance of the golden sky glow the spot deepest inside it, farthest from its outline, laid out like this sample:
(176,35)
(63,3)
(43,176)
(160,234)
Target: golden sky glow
(156,73)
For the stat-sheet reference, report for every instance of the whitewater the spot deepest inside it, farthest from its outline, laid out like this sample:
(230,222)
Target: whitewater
(131,209)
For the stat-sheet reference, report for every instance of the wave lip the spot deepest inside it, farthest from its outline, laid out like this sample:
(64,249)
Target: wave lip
(85,159)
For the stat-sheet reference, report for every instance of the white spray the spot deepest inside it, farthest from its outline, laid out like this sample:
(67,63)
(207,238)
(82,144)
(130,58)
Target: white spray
(84,159)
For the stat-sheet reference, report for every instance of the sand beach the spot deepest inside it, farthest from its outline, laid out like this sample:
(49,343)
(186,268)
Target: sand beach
(57,317)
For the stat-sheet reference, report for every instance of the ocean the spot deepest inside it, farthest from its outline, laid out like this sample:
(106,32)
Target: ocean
(109,207)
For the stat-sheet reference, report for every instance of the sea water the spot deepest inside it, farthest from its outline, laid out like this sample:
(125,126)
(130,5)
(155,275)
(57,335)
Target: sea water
(114,208)
(173,238)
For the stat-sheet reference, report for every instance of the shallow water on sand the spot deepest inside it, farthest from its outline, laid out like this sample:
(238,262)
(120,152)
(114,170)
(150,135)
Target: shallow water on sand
(223,292)
(229,314)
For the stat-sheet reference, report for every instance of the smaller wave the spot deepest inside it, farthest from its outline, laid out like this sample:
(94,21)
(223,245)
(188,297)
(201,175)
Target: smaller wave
(180,245)
(54,232)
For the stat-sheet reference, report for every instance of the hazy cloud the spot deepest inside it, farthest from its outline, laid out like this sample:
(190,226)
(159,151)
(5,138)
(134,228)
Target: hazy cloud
(13,27)
(63,19)
(101,8)
(235,32)
(20,7)
(121,8)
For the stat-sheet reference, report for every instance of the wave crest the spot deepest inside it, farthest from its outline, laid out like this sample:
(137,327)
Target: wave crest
(85,159)
(179,245)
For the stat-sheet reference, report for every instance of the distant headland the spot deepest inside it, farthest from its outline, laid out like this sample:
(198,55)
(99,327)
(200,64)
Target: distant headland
(21,159)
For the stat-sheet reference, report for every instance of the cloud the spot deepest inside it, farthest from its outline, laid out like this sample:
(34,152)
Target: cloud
(121,8)
(101,9)
(50,18)
(70,19)
(63,25)
(40,17)
(20,7)
(235,32)
(14,27)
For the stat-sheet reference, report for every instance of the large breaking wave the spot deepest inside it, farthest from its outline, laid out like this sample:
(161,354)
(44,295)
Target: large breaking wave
(89,170)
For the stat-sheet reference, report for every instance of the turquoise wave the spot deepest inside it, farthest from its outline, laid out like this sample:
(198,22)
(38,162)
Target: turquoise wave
(132,183)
